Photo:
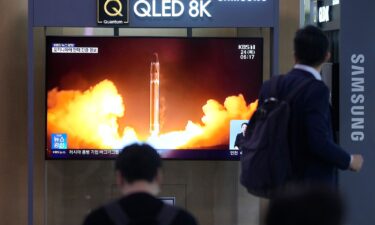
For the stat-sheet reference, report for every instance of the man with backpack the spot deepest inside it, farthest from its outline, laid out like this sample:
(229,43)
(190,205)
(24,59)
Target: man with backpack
(138,173)
(291,136)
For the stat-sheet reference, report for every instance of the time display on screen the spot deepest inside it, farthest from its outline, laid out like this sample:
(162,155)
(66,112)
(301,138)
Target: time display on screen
(247,51)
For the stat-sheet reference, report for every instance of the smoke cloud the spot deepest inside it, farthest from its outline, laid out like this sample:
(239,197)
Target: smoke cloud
(90,118)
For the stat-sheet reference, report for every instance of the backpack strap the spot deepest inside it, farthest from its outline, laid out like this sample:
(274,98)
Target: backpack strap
(165,217)
(297,89)
(167,214)
(116,214)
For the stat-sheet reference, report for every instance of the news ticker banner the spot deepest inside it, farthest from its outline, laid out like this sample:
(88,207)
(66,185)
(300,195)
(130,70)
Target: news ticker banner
(357,108)
(155,13)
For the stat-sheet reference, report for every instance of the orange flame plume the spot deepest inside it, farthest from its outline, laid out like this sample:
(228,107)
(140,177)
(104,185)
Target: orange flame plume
(90,119)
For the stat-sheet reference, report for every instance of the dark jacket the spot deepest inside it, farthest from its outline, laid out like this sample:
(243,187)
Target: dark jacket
(315,156)
(240,139)
(138,206)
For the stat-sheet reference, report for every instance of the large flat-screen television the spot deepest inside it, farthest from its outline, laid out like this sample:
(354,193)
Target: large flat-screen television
(187,97)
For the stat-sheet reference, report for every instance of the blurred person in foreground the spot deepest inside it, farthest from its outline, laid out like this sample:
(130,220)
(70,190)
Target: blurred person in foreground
(138,174)
(307,206)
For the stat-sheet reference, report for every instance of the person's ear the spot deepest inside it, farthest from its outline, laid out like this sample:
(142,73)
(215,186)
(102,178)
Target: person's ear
(328,57)
(296,61)
(119,179)
(159,176)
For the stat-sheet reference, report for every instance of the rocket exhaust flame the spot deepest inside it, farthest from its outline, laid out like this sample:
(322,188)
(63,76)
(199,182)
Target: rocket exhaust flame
(90,119)
(154,95)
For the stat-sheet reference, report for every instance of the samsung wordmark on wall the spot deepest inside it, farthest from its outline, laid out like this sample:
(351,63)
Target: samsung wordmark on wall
(357,97)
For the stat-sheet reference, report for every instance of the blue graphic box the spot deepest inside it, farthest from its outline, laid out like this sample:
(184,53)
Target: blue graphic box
(59,141)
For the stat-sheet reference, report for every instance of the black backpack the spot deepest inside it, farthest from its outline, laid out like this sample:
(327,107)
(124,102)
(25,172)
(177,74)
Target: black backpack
(265,162)
(165,217)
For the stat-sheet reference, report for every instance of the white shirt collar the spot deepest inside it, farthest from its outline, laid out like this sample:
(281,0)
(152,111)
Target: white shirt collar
(309,69)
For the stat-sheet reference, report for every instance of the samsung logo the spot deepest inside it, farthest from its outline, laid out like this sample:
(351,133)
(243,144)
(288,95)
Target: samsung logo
(357,97)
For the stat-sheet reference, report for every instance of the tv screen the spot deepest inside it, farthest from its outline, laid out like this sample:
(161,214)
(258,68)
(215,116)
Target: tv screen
(187,97)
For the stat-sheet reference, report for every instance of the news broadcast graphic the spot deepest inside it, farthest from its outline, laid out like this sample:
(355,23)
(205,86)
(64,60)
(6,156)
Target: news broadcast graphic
(235,129)
(177,94)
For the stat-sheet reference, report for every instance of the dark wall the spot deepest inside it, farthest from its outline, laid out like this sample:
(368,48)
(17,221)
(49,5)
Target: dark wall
(13,117)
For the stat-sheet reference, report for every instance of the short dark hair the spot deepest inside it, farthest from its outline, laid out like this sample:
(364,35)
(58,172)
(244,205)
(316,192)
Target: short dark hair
(310,46)
(138,162)
(243,124)
(307,206)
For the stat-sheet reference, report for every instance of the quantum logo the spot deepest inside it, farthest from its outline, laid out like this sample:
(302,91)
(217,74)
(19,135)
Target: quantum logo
(112,12)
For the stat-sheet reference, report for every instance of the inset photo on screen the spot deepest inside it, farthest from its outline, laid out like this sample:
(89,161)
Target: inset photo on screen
(237,133)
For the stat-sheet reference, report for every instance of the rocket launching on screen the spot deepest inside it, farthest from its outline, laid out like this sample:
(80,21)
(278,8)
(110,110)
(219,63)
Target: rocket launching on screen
(154,95)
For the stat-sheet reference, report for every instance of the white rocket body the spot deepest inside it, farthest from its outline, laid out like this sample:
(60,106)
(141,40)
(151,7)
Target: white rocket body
(154,96)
